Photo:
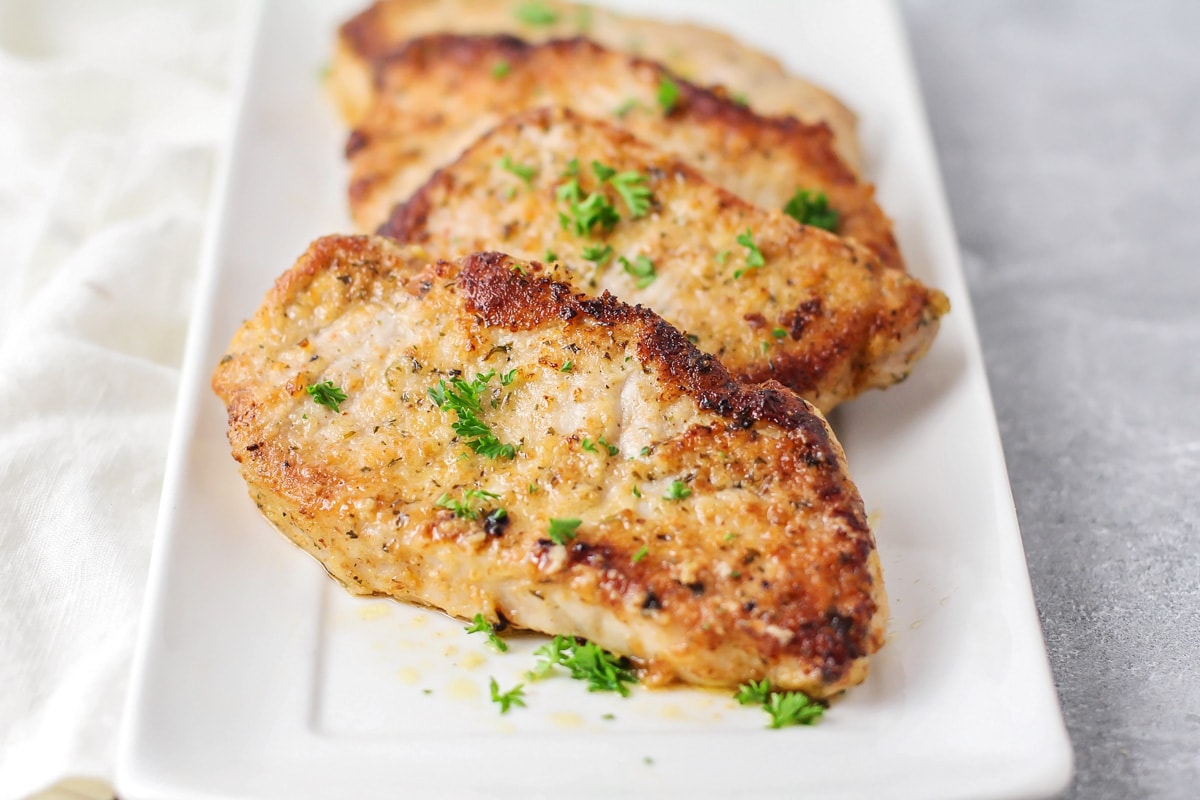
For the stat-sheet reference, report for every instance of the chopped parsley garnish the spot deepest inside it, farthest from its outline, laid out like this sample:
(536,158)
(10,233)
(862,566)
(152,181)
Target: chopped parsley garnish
(572,168)
(778,333)
(640,554)
(753,693)
(501,68)
(326,394)
(550,256)
(637,492)
(603,671)
(792,708)
(522,171)
(754,256)
(590,446)
(645,451)
(722,257)
(634,191)
(506,700)
(561,530)
(596,253)
(631,186)
(464,398)
(567,366)
(740,98)
(465,508)
(678,491)
(625,107)
(811,208)
(506,378)
(481,625)
(603,172)
(536,14)
(784,708)
(641,270)
(584,215)
(668,94)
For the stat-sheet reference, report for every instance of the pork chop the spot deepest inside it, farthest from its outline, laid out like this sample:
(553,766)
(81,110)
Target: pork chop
(820,315)
(438,94)
(651,503)
(701,55)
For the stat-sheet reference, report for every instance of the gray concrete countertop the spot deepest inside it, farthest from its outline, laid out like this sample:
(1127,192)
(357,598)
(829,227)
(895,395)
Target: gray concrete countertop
(1069,138)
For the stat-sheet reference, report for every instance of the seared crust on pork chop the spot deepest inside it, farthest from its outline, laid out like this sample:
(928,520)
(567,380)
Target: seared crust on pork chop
(438,94)
(702,55)
(821,315)
(719,537)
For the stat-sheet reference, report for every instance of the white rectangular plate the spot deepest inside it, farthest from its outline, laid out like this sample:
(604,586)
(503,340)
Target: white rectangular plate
(257,677)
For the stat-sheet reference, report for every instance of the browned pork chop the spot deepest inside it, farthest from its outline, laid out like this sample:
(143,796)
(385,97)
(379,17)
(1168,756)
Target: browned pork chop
(652,503)
(702,55)
(820,315)
(438,94)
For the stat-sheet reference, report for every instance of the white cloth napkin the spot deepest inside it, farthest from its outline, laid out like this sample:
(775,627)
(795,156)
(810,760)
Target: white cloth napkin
(112,118)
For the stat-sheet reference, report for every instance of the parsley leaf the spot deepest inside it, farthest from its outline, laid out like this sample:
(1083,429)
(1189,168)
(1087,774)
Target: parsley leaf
(500,69)
(754,256)
(678,491)
(507,378)
(668,94)
(752,693)
(550,256)
(506,700)
(784,708)
(612,448)
(522,171)
(562,529)
(596,253)
(603,671)
(536,14)
(792,708)
(812,208)
(463,398)
(603,172)
(326,394)
(778,333)
(481,625)
(634,191)
(641,270)
(567,366)
(588,445)
(640,554)
(465,509)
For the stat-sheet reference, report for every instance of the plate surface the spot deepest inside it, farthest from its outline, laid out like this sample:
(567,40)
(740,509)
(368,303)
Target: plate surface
(257,677)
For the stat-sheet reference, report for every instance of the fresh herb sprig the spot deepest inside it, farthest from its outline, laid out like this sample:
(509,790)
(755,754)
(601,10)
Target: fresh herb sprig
(754,256)
(522,171)
(678,491)
(641,269)
(326,394)
(506,700)
(668,94)
(481,625)
(465,508)
(586,661)
(560,530)
(812,208)
(464,398)
(784,708)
